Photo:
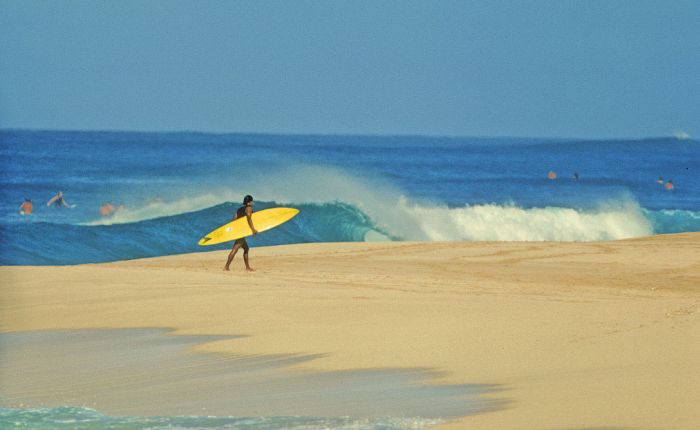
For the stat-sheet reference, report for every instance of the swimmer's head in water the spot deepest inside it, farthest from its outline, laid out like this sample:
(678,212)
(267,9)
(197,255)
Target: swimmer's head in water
(247,199)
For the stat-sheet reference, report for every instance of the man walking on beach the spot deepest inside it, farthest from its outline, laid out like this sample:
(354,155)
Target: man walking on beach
(245,210)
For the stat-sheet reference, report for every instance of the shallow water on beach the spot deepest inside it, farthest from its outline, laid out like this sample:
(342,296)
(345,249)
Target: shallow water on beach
(90,419)
(145,378)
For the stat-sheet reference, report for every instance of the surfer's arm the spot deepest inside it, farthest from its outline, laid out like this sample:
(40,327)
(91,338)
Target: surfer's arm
(248,213)
(53,199)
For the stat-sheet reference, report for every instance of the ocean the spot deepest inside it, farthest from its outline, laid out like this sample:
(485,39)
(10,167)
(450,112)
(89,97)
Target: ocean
(175,187)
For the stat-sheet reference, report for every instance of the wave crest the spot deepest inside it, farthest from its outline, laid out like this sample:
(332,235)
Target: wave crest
(512,223)
(338,205)
(405,220)
(160,208)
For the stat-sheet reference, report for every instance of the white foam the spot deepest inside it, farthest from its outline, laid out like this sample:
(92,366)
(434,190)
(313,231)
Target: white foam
(681,135)
(512,223)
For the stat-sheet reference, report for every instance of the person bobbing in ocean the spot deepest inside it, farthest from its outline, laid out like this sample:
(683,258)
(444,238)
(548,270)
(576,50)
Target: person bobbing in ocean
(26,207)
(660,181)
(669,185)
(58,201)
(552,175)
(107,209)
(244,211)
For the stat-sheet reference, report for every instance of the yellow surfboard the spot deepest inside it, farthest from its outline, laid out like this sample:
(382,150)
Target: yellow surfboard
(263,220)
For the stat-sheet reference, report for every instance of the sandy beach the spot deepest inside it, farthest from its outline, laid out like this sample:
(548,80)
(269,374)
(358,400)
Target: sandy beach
(573,335)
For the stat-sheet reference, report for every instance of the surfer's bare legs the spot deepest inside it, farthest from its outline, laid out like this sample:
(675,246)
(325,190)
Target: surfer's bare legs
(245,256)
(236,246)
(245,259)
(232,254)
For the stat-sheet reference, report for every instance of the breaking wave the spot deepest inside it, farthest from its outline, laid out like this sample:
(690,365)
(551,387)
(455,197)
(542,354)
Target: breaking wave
(165,228)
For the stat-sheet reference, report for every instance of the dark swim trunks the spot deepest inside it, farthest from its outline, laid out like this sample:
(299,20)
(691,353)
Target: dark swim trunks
(243,243)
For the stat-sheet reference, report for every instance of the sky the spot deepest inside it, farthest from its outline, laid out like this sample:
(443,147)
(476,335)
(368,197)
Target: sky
(582,69)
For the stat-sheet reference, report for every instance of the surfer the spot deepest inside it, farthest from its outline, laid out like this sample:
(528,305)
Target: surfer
(660,181)
(669,185)
(26,207)
(107,209)
(58,200)
(246,210)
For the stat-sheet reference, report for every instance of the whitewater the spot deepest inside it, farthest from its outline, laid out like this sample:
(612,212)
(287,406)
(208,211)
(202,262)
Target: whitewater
(174,187)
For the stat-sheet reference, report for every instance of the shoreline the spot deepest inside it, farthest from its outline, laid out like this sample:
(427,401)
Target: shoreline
(203,250)
(576,334)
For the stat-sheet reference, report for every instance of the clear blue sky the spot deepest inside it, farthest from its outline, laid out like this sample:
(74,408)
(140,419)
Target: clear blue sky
(487,68)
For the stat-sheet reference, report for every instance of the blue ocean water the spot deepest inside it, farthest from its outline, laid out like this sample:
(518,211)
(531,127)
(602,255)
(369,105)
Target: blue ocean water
(175,187)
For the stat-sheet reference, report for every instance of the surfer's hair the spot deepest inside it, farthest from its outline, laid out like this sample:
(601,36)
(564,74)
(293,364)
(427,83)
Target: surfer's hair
(247,199)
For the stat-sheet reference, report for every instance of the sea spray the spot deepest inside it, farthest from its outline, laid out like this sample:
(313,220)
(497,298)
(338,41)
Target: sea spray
(513,223)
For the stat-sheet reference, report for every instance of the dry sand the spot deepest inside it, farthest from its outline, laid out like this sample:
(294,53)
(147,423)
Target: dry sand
(577,335)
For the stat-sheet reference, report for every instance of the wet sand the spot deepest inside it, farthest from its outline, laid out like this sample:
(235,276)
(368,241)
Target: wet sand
(148,372)
(575,335)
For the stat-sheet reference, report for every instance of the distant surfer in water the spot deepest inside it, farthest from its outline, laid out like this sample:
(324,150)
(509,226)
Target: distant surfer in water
(58,200)
(107,209)
(246,210)
(26,207)
(669,185)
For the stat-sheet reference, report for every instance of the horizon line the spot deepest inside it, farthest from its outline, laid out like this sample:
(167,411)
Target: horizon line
(321,134)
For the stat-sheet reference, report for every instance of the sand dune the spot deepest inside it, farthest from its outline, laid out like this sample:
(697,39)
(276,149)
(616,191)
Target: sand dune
(575,335)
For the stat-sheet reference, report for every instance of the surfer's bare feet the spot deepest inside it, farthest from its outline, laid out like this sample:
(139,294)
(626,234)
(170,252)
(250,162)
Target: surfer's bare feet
(249,269)
(226,269)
